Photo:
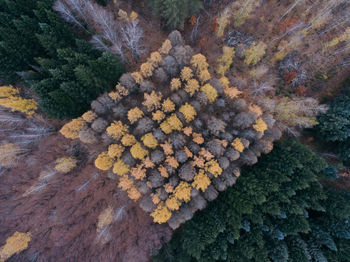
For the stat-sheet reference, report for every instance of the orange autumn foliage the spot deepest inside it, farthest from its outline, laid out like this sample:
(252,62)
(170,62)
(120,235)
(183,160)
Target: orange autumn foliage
(167,148)
(197,138)
(172,162)
(201,181)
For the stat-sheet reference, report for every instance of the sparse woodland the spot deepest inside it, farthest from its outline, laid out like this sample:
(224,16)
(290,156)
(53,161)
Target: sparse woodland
(148,130)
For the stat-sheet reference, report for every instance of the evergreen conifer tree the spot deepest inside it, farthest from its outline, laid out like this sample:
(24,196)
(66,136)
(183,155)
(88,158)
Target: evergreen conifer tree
(277,211)
(175,12)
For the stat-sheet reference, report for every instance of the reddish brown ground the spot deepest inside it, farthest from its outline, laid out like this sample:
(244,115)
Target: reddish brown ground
(63,221)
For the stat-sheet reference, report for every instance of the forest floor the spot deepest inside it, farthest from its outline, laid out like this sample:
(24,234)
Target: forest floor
(62,216)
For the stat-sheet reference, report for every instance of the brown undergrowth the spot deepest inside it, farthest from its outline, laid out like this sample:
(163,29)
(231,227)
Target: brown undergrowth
(62,217)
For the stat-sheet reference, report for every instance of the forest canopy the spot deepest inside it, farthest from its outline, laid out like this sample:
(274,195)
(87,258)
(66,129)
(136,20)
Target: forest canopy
(277,211)
(65,72)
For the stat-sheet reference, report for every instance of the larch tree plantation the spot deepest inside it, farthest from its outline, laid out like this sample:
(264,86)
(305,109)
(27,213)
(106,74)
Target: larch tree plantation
(172,130)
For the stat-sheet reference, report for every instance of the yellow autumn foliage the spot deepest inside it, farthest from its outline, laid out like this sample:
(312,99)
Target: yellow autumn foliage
(147,69)
(149,141)
(89,116)
(260,126)
(117,130)
(155,59)
(138,152)
(65,164)
(213,168)
(204,76)
(172,203)
(137,77)
(238,145)
(115,96)
(225,82)
(10,98)
(105,218)
(121,90)
(71,130)
(128,140)
(254,53)
(244,11)
(188,111)
(120,168)
(225,60)
(134,114)
(104,161)
(192,86)
(123,15)
(168,105)
(186,73)
(175,84)
(201,181)
(8,91)
(158,116)
(183,191)
(9,154)
(15,244)
(210,91)
(174,122)
(133,15)
(199,62)
(166,47)
(152,101)
(166,128)
(223,21)
(343,37)
(115,150)
(161,214)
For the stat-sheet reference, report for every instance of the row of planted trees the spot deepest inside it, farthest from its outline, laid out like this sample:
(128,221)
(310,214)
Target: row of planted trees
(180,144)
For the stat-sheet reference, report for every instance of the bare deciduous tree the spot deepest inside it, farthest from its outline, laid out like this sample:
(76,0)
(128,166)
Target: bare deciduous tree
(131,34)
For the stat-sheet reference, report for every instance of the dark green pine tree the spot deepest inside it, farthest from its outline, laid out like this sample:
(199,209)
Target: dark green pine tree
(65,73)
(175,12)
(18,43)
(277,211)
(334,125)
